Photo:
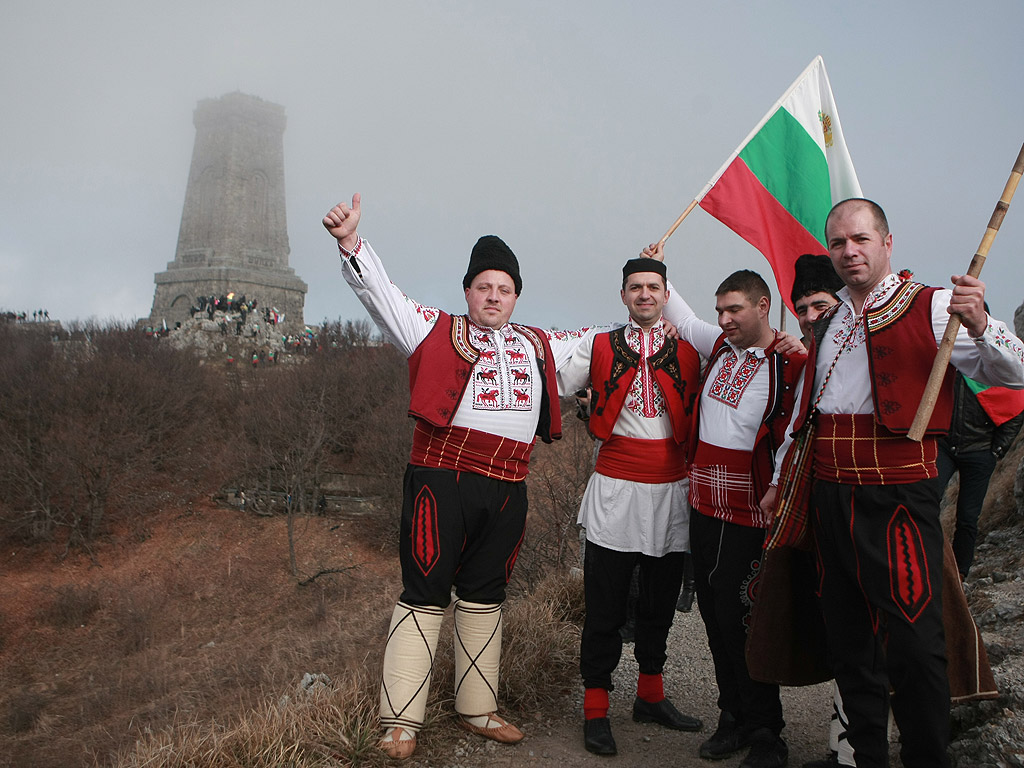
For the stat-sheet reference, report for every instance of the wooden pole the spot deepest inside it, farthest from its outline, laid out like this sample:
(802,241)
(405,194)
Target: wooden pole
(931,392)
(679,221)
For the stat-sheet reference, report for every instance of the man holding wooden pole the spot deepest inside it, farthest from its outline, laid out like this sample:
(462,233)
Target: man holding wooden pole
(875,496)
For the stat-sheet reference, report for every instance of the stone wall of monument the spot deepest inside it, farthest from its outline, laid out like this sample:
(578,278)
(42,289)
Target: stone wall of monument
(233,235)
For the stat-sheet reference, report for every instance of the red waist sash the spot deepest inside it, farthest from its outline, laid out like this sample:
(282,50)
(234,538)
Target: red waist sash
(854,449)
(469,450)
(722,487)
(642,461)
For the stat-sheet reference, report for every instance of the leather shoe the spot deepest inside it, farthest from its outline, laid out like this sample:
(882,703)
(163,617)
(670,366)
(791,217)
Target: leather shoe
(685,602)
(767,750)
(502,731)
(597,736)
(664,713)
(727,739)
(396,747)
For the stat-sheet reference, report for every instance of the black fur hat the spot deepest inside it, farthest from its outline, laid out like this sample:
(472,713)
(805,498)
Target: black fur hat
(814,274)
(490,252)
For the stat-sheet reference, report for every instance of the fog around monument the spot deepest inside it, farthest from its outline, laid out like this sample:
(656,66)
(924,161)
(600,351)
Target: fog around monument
(576,131)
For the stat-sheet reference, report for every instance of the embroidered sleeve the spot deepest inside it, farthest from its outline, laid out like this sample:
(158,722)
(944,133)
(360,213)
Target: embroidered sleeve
(574,373)
(565,343)
(402,321)
(995,358)
(700,334)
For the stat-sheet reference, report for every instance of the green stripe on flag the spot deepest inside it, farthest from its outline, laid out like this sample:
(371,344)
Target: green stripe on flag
(975,386)
(792,167)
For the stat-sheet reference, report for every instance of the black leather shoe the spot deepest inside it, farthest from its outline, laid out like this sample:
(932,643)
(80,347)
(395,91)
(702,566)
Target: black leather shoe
(727,739)
(664,713)
(767,750)
(685,602)
(597,736)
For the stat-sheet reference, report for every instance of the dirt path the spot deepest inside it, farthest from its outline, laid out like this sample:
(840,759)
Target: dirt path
(689,682)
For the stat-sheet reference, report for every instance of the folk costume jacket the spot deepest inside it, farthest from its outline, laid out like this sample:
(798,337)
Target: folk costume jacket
(479,395)
(879,367)
(746,401)
(900,348)
(441,367)
(613,368)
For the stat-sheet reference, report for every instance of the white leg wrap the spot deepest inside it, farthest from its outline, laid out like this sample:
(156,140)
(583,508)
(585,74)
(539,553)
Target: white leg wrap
(477,656)
(408,659)
(837,740)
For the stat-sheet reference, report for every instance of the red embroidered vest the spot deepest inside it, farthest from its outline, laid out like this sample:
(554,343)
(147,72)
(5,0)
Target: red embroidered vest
(441,366)
(614,365)
(901,350)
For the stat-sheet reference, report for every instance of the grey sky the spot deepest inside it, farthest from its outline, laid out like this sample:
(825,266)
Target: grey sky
(577,131)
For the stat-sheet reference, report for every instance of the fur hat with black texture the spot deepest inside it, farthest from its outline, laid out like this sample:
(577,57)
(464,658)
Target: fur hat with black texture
(814,273)
(490,252)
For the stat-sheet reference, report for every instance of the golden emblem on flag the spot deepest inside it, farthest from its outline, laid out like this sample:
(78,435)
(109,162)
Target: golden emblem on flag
(826,127)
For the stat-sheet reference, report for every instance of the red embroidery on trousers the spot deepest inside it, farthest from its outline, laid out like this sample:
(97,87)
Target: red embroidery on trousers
(426,548)
(511,562)
(908,568)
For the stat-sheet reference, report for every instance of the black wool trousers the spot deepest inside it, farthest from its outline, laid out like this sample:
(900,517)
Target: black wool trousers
(606,577)
(726,567)
(880,565)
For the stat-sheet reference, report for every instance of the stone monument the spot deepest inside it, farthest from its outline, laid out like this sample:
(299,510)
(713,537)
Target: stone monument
(233,236)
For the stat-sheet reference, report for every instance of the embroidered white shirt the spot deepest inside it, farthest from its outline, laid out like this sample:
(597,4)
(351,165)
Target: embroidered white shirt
(504,393)
(736,390)
(624,515)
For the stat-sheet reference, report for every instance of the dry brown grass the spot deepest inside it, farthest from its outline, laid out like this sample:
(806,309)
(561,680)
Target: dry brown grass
(324,727)
(338,726)
(168,632)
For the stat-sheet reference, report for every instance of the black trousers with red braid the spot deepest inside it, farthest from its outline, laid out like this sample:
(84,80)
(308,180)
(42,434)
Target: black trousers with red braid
(880,564)
(726,569)
(459,529)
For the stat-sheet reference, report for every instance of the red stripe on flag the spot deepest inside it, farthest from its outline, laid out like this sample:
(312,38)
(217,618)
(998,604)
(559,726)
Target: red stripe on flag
(1001,404)
(741,202)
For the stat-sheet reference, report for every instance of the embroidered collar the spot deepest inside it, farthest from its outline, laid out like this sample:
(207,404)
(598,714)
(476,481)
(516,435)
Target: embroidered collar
(758,352)
(483,328)
(878,294)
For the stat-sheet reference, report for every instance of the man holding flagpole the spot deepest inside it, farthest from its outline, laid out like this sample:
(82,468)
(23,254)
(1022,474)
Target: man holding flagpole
(745,402)
(875,495)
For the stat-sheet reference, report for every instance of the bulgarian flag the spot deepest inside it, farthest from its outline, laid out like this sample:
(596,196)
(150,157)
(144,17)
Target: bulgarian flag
(1001,404)
(778,187)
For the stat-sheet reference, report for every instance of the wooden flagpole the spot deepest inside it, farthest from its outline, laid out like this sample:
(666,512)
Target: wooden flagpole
(931,392)
(679,221)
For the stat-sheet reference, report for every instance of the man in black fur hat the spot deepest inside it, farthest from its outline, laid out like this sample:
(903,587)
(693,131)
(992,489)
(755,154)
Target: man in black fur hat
(815,288)
(481,388)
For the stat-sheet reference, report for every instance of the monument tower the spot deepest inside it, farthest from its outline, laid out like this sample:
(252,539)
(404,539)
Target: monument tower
(233,235)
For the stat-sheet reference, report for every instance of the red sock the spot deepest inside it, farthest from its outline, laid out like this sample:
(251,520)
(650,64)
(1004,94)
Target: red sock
(650,688)
(595,703)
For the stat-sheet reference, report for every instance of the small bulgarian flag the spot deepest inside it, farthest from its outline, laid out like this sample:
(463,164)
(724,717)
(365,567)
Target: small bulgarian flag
(778,187)
(1001,404)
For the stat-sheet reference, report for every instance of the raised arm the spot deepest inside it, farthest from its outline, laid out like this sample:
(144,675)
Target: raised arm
(342,220)
(700,334)
(402,321)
